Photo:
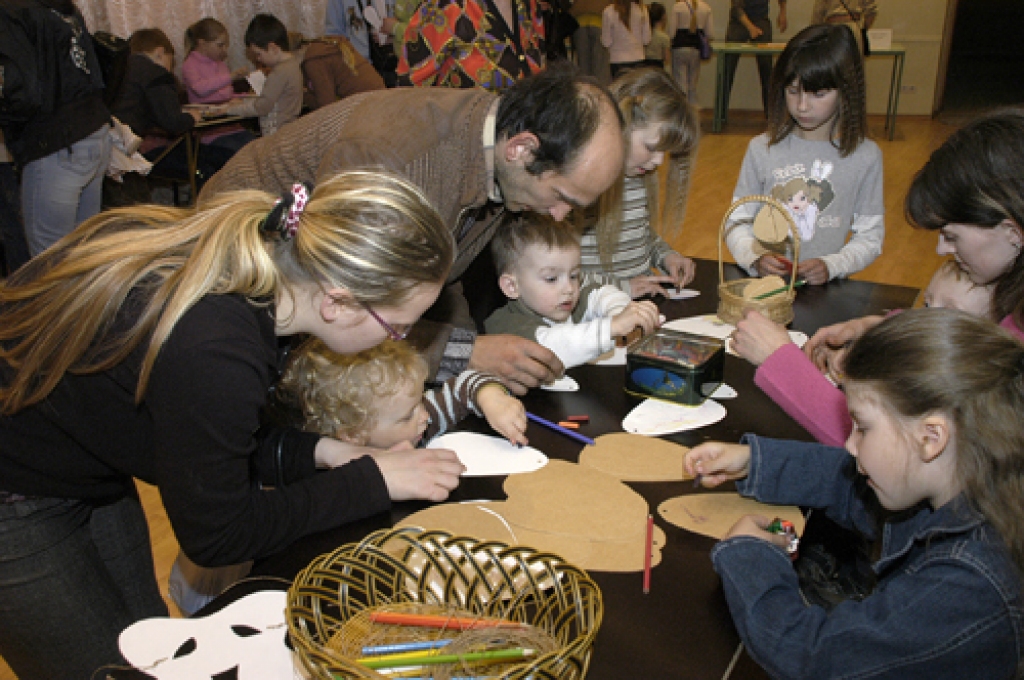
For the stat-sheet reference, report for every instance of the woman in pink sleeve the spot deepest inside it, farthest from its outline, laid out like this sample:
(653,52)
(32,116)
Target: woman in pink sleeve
(972,192)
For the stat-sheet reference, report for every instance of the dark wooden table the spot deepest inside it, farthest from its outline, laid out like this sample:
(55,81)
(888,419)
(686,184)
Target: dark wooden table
(682,629)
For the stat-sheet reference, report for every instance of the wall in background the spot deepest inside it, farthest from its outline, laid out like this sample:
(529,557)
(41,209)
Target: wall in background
(917,24)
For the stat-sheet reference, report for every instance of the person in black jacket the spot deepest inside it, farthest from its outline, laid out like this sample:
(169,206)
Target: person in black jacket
(144,345)
(149,103)
(64,147)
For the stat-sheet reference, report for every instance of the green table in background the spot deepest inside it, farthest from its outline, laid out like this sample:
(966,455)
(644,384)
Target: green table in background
(896,51)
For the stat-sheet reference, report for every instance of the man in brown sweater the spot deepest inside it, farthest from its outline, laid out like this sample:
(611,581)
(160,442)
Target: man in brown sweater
(551,143)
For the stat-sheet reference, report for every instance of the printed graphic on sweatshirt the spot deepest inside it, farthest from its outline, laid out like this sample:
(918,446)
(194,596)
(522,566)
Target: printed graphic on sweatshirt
(806,196)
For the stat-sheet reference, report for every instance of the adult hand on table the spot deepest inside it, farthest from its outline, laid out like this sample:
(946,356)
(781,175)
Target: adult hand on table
(419,474)
(757,526)
(520,363)
(756,337)
(717,462)
(833,339)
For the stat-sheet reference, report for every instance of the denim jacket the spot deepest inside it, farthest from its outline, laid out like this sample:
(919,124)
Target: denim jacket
(948,600)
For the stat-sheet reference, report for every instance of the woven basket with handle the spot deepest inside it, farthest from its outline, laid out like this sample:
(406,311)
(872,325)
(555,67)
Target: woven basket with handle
(731,303)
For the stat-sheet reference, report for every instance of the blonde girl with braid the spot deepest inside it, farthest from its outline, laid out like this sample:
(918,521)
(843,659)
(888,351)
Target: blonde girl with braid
(625,243)
(143,345)
(934,471)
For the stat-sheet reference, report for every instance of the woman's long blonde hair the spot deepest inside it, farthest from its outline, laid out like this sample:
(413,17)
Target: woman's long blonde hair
(128,275)
(649,96)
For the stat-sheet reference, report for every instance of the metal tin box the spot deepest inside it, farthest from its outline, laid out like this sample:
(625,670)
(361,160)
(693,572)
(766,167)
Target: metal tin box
(674,366)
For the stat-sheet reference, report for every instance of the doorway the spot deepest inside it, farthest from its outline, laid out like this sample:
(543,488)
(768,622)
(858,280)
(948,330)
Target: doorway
(984,58)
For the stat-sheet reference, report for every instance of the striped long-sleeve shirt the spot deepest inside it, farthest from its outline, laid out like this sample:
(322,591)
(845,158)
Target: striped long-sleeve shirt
(453,401)
(638,249)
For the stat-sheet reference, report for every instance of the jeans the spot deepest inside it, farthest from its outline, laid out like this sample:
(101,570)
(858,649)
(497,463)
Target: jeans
(737,32)
(64,189)
(73,575)
(12,231)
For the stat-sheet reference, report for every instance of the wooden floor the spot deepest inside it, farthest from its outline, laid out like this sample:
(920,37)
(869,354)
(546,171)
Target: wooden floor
(908,257)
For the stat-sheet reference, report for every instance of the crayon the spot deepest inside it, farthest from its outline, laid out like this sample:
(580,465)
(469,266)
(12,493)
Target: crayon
(567,432)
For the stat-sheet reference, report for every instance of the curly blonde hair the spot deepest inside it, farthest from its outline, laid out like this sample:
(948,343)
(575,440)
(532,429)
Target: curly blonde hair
(339,395)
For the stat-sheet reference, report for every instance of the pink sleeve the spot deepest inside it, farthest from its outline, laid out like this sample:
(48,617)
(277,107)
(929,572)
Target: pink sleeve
(795,384)
(1009,324)
(206,83)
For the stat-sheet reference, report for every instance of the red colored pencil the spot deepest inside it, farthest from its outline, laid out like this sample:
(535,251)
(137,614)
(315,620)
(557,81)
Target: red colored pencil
(579,419)
(439,621)
(647,554)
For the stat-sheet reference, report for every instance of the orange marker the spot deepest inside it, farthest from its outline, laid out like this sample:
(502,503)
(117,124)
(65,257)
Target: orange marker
(439,621)
(569,424)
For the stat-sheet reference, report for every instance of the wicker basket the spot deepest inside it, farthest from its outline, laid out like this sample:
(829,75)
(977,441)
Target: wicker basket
(411,565)
(731,303)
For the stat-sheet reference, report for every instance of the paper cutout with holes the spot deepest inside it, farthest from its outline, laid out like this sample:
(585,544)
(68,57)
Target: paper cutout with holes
(247,636)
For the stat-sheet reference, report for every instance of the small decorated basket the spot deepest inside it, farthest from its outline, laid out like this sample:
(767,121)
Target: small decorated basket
(411,569)
(732,302)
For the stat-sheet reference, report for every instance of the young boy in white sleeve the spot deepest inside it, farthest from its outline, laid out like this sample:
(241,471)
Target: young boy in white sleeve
(538,263)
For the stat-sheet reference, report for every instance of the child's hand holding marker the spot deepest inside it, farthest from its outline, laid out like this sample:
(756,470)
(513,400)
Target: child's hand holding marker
(814,272)
(715,463)
(766,265)
(758,526)
(503,412)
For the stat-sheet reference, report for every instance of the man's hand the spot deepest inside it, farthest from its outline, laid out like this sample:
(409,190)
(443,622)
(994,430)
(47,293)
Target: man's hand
(520,363)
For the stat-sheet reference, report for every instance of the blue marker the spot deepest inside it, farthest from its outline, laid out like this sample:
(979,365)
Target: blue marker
(558,428)
(400,647)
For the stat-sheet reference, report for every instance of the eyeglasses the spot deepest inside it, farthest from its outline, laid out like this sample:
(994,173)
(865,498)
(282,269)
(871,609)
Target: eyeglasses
(392,333)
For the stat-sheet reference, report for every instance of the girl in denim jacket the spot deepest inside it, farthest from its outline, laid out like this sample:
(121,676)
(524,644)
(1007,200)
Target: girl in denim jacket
(937,400)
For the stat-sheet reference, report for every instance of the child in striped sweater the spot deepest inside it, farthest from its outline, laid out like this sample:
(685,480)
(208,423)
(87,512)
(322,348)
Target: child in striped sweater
(375,398)
(623,243)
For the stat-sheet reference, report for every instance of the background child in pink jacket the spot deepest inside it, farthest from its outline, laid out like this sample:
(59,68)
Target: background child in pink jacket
(208,80)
